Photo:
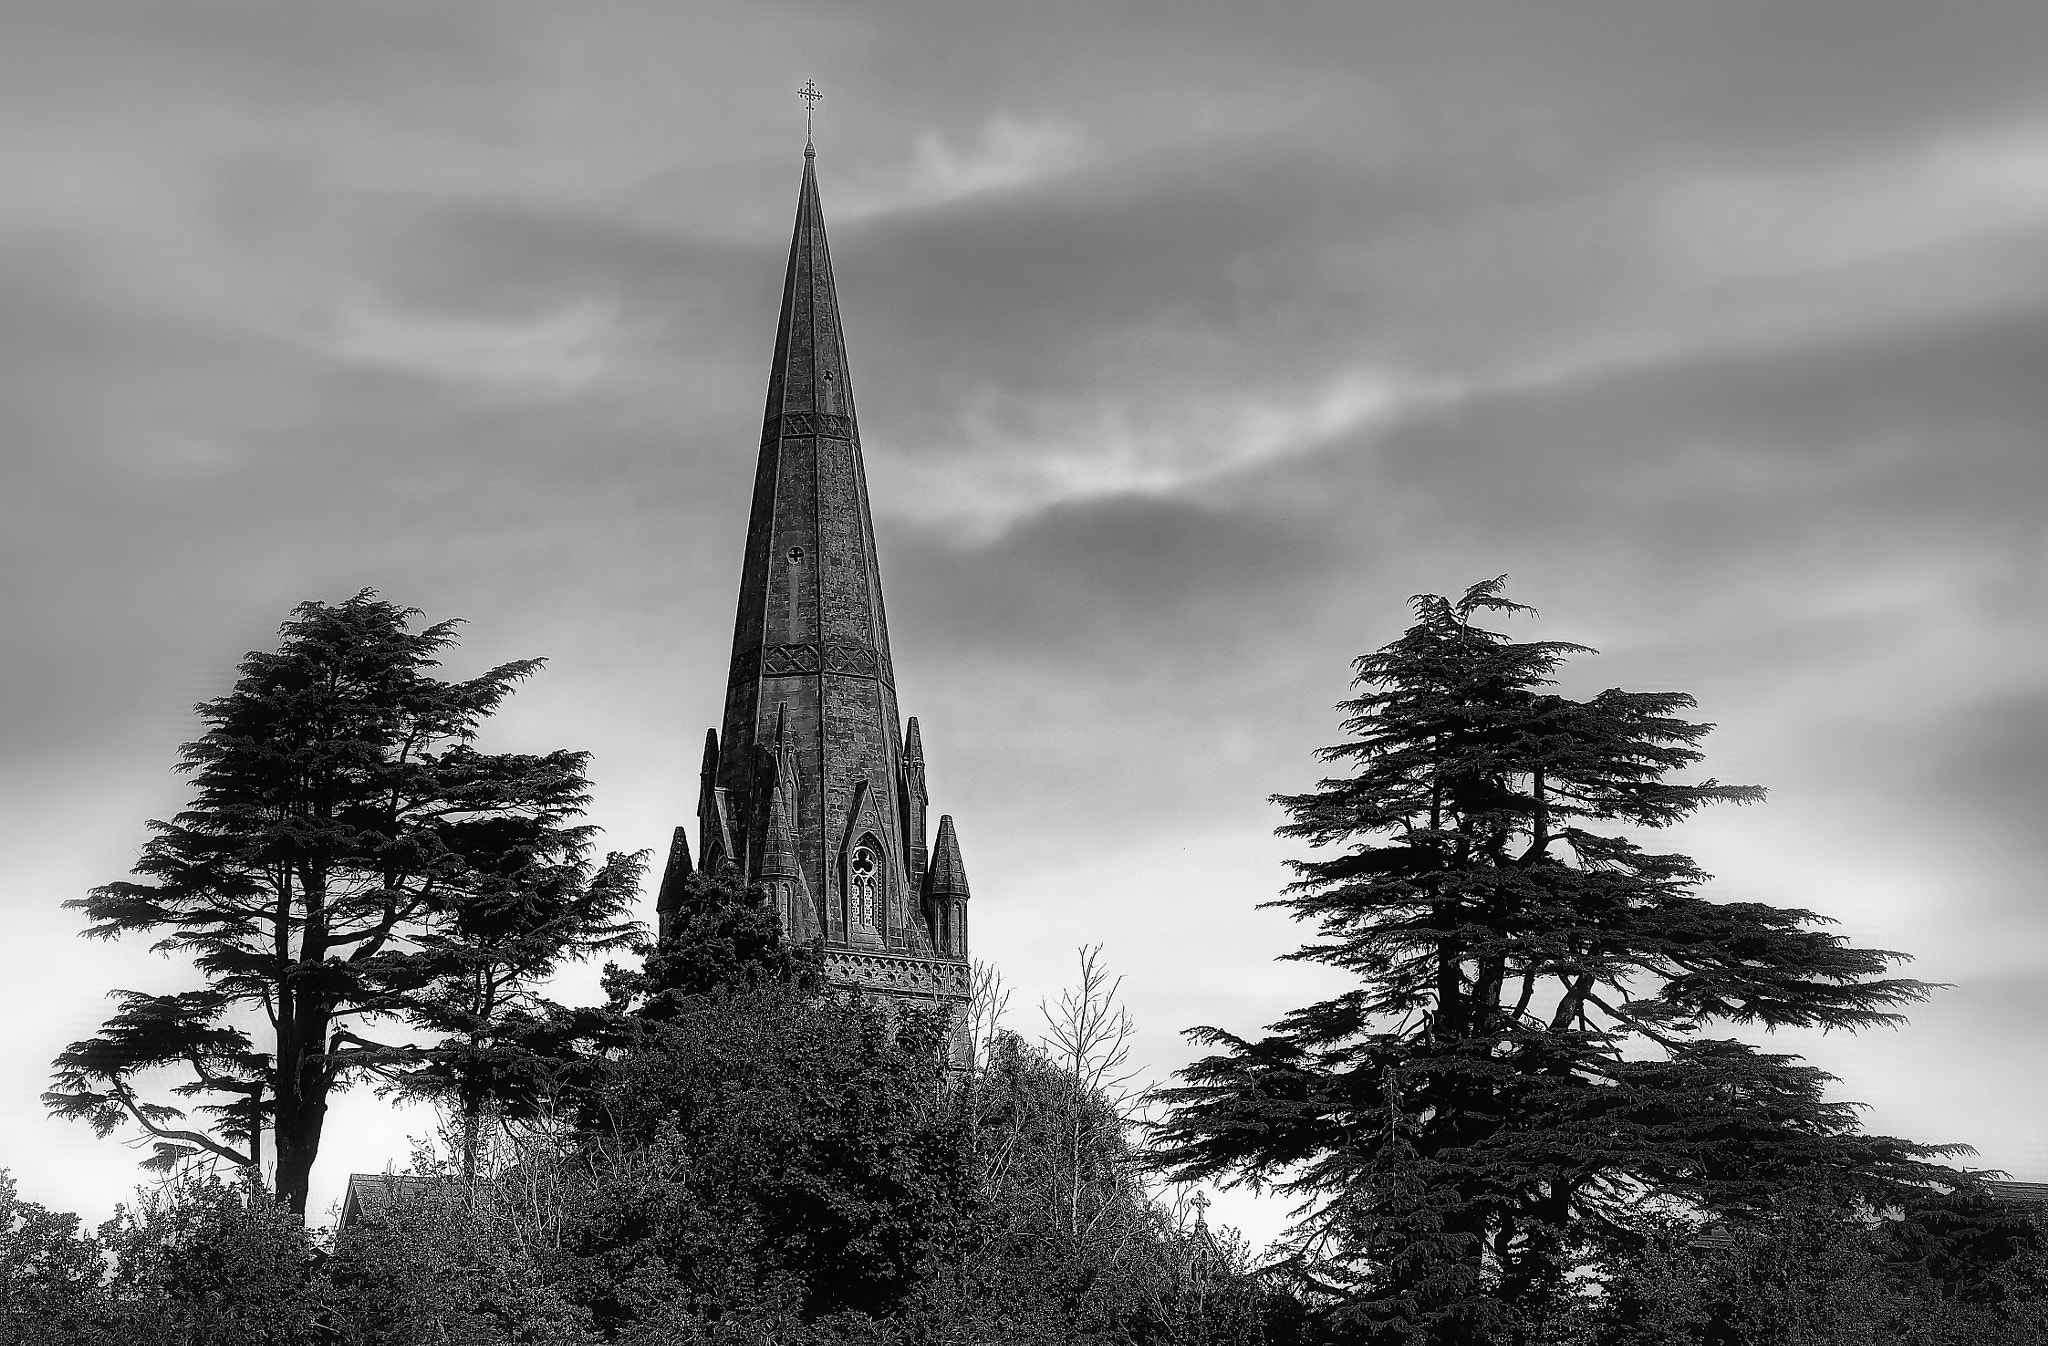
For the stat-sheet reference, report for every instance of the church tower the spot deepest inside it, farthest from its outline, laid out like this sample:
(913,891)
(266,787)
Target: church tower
(813,787)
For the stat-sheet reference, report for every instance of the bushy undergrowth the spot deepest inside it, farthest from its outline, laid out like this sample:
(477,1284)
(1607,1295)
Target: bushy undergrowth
(644,1241)
(727,1152)
(766,1165)
(1954,1271)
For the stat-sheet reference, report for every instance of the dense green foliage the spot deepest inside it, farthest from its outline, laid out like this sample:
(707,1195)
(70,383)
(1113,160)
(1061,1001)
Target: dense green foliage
(1520,1065)
(725,1151)
(201,1263)
(1953,1270)
(1066,1244)
(752,1145)
(1511,1129)
(349,861)
(751,1149)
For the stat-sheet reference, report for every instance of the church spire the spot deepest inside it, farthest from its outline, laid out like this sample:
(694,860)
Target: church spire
(811,698)
(809,369)
(809,786)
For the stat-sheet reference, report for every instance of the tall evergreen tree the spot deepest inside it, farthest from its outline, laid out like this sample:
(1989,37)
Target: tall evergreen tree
(349,862)
(1521,1061)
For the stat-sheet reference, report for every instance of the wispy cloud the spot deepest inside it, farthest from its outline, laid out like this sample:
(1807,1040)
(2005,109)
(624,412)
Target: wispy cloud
(1008,153)
(1960,190)
(1015,455)
(552,355)
(1953,226)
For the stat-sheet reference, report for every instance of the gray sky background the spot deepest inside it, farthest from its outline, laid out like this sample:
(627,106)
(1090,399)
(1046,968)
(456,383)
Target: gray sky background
(1189,341)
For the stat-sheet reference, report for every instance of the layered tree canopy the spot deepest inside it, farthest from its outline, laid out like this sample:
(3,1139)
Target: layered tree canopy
(1522,1062)
(351,875)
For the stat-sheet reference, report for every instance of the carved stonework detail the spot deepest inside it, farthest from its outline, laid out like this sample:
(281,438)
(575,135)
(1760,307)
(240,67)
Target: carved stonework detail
(856,659)
(894,973)
(821,423)
(779,661)
(789,661)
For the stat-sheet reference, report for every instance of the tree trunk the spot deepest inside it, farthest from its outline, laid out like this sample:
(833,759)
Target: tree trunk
(302,1087)
(1534,1276)
(298,1144)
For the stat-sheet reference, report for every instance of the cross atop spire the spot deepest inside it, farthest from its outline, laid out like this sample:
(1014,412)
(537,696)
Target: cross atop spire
(810,94)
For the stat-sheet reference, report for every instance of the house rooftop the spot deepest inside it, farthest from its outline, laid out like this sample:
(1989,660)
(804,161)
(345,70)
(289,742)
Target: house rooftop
(373,1195)
(2018,1193)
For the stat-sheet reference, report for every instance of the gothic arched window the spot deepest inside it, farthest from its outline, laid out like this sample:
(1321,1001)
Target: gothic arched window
(863,888)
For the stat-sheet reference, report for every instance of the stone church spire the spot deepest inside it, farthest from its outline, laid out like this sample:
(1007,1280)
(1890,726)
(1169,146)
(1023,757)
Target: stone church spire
(807,786)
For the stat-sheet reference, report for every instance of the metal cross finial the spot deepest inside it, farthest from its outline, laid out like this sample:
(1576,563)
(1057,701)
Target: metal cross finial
(1200,1202)
(809,93)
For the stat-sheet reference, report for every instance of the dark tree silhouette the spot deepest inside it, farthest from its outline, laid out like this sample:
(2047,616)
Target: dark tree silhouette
(349,862)
(1520,1061)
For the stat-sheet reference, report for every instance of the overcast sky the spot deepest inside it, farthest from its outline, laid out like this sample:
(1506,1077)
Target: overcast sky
(1189,341)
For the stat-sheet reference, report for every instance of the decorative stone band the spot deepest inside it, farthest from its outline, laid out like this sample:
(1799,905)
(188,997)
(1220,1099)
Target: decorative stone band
(790,661)
(899,974)
(808,423)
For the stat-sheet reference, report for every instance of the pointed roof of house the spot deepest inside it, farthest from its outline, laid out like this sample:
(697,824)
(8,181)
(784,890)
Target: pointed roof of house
(372,1196)
(948,874)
